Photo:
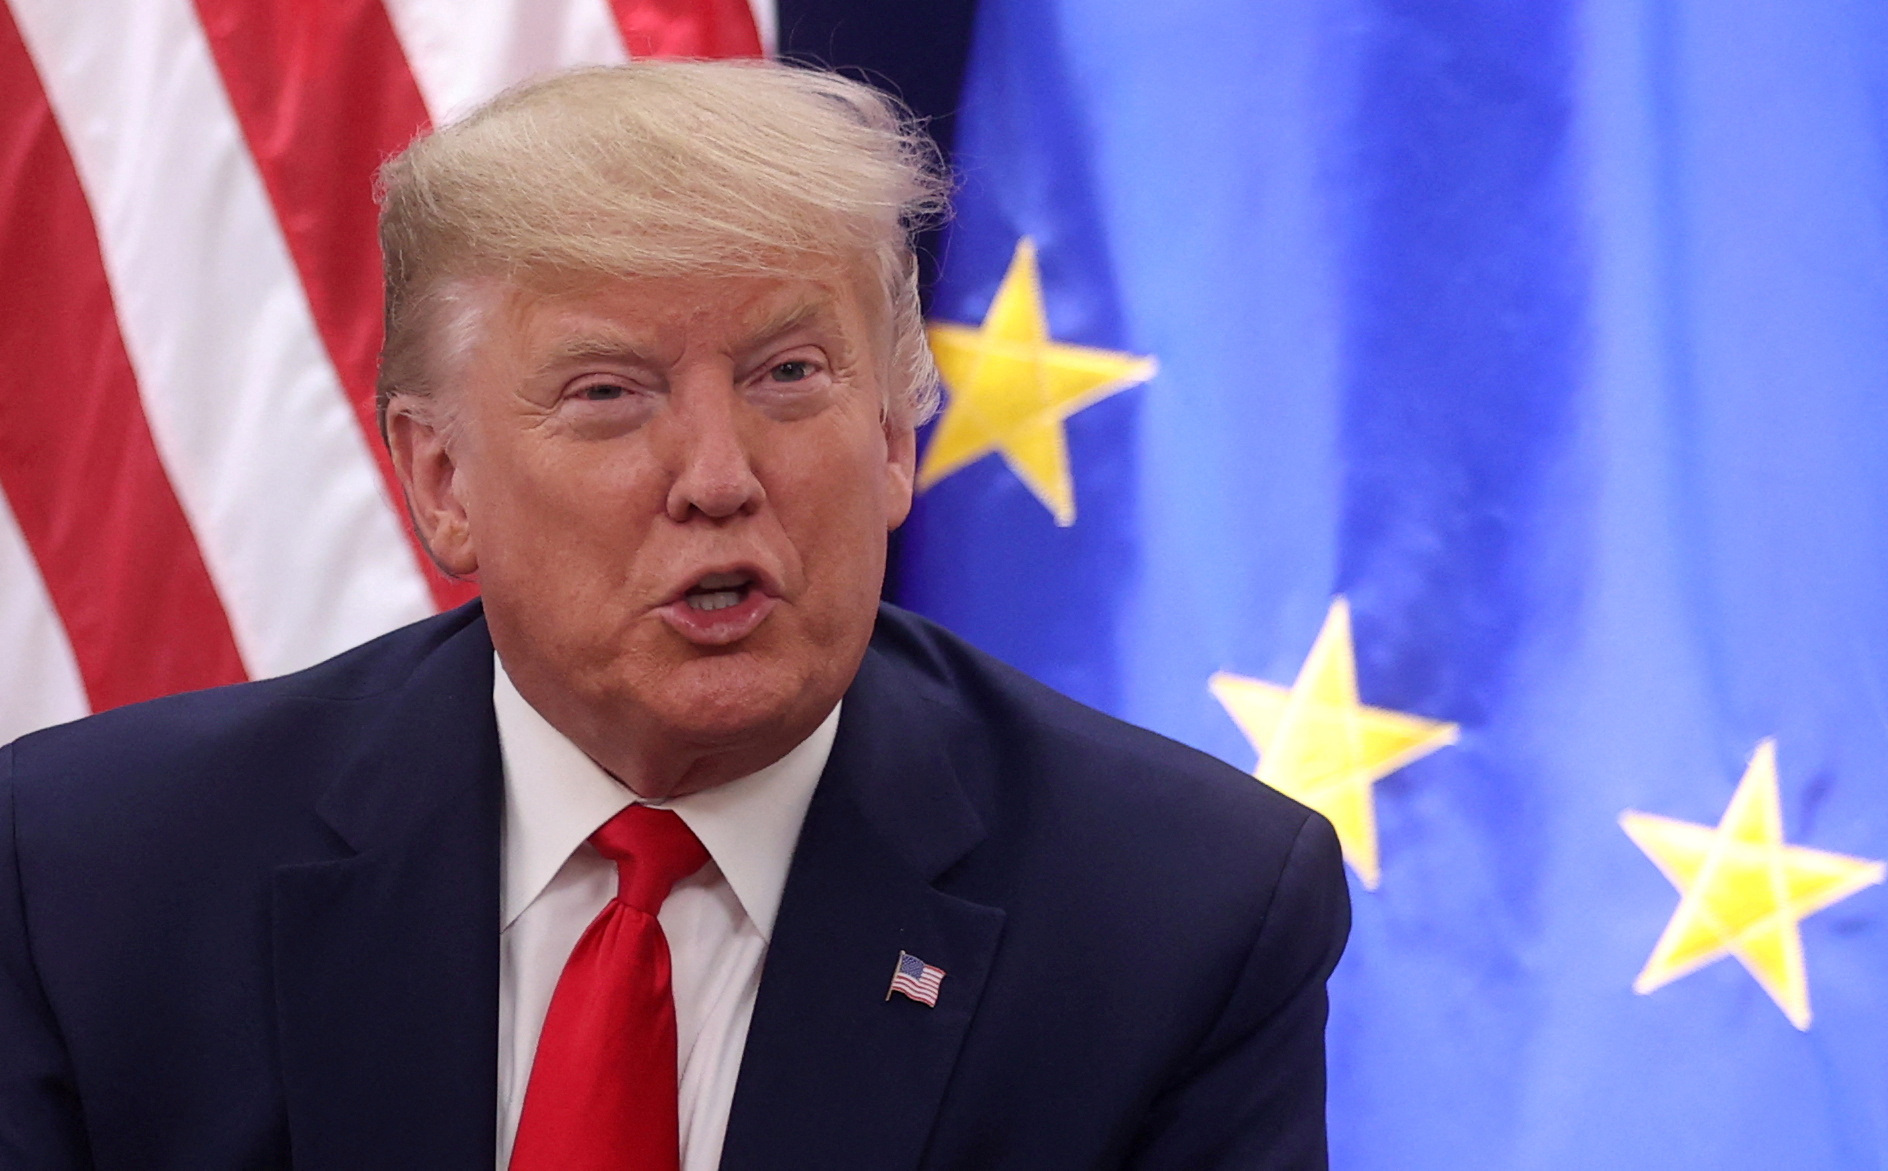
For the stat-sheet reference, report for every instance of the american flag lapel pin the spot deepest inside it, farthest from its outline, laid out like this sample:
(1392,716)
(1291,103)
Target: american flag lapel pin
(915,979)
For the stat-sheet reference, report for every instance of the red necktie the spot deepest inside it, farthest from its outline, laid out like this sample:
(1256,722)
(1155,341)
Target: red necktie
(602,1089)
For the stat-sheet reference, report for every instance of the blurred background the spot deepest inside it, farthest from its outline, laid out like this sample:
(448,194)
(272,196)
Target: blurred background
(1469,415)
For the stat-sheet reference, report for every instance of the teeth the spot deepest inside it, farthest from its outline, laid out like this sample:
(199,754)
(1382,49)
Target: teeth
(714,599)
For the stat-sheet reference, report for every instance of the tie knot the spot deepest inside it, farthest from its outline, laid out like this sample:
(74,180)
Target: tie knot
(653,850)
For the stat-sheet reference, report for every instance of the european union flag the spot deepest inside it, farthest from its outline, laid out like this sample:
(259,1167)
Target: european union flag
(1472,416)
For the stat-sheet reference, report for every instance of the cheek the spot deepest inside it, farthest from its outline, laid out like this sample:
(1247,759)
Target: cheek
(534,498)
(834,508)
(842,477)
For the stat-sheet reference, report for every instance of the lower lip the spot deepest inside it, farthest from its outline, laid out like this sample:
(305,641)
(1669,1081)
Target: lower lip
(720,627)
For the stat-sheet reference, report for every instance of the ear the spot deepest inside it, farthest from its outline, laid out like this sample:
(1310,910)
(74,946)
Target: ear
(901,462)
(429,477)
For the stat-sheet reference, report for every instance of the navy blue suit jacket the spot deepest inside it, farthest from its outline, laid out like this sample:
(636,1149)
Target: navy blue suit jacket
(257,927)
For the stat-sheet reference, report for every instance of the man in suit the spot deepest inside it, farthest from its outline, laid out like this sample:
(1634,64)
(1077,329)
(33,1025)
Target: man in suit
(677,851)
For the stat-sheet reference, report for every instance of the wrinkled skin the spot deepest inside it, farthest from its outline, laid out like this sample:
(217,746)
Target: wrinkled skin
(605,452)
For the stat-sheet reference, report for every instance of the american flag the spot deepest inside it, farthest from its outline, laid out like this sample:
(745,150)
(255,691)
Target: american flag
(916,979)
(192,491)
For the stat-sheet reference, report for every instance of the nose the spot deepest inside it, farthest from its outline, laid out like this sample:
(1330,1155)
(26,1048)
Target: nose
(710,461)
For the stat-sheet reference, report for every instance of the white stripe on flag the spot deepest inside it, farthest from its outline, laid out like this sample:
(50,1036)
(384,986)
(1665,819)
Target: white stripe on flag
(39,679)
(767,20)
(246,410)
(462,53)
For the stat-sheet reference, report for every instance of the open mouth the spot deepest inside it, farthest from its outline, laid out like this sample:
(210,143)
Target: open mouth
(719,591)
(721,608)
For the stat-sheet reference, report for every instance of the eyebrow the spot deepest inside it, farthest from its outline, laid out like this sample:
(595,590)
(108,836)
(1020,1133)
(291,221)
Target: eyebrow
(590,348)
(783,322)
(610,347)
(593,348)
(771,328)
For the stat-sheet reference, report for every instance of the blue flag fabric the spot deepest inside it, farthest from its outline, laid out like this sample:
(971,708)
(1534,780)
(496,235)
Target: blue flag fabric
(1508,477)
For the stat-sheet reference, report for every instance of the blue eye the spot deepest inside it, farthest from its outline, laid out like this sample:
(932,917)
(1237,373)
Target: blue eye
(792,371)
(602,392)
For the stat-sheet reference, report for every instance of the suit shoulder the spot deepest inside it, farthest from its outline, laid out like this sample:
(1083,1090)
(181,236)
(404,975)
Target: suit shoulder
(1124,780)
(169,741)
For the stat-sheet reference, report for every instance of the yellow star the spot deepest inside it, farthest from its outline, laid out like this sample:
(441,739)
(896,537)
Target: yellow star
(1318,744)
(1743,890)
(1011,386)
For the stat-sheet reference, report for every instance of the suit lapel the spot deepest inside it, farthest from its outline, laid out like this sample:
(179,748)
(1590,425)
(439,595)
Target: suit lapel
(386,960)
(834,1073)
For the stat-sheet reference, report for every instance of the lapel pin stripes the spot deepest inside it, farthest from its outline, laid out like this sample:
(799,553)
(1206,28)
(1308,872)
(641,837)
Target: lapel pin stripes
(916,979)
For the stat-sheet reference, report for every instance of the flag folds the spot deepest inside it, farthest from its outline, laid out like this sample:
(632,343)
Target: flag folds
(1472,418)
(192,490)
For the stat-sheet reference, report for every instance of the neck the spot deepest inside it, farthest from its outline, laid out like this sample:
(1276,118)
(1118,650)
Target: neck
(658,763)
(661,776)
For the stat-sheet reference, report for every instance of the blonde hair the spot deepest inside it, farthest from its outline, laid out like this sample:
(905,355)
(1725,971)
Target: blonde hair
(657,169)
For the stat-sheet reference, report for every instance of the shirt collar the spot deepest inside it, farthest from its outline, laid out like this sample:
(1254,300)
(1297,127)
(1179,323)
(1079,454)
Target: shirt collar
(556,797)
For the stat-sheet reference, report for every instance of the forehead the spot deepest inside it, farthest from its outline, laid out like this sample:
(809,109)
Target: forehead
(661,311)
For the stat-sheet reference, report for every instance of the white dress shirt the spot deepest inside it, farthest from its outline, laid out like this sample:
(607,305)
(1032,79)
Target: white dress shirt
(717,921)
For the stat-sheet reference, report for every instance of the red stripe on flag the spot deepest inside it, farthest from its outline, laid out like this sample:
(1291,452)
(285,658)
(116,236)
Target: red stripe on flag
(687,28)
(324,95)
(77,461)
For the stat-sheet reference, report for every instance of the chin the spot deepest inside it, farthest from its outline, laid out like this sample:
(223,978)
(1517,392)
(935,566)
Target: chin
(730,699)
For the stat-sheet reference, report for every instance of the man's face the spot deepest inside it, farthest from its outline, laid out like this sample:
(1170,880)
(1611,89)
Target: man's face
(675,495)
